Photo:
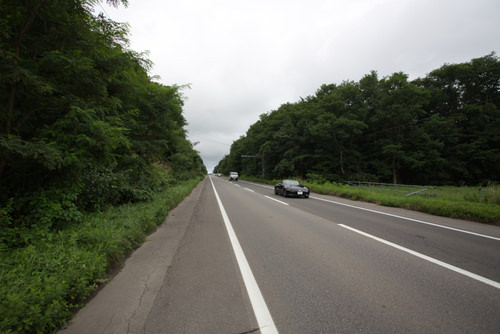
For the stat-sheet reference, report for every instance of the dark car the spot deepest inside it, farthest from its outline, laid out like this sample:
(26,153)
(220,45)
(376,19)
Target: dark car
(291,188)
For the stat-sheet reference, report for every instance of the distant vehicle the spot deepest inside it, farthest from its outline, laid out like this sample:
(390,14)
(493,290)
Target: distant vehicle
(233,176)
(291,188)
(218,174)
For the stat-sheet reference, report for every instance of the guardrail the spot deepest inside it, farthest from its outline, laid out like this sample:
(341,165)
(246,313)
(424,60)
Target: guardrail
(408,189)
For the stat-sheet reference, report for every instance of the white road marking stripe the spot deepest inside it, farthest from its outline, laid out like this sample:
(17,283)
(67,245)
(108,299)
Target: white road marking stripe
(410,219)
(250,190)
(400,217)
(277,200)
(428,258)
(264,319)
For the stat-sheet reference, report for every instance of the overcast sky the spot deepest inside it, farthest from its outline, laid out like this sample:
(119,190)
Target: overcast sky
(244,58)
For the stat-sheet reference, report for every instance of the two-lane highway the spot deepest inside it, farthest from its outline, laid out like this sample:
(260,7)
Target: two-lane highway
(325,266)
(469,245)
(236,258)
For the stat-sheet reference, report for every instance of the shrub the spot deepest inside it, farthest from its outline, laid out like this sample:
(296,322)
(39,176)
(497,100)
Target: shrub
(43,282)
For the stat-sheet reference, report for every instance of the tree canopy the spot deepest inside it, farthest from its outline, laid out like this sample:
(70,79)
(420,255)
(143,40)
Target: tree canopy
(82,123)
(441,129)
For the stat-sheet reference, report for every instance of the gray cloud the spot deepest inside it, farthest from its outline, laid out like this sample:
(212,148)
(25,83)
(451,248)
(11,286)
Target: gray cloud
(246,58)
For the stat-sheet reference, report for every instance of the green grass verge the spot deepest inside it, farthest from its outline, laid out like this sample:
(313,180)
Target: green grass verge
(455,202)
(441,206)
(41,285)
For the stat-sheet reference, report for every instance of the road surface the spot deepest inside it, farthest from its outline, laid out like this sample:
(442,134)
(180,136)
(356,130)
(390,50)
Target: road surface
(236,258)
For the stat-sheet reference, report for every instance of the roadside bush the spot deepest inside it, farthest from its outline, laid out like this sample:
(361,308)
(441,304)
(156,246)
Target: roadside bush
(42,283)
(26,219)
(315,178)
(8,236)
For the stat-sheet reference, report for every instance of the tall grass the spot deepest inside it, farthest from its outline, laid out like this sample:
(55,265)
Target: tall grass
(43,283)
(470,203)
(454,202)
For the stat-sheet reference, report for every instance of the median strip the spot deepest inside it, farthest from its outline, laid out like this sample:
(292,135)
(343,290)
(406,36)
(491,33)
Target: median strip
(428,258)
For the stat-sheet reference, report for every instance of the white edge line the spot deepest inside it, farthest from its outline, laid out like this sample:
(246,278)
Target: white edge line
(428,258)
(262,314)
(277,200)
(410,219)
(400,217)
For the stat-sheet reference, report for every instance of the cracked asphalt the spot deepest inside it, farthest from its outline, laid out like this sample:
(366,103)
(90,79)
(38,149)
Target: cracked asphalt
(323,265)
(183,279)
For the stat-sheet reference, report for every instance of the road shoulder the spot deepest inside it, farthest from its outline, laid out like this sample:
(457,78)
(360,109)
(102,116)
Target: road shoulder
(124,303)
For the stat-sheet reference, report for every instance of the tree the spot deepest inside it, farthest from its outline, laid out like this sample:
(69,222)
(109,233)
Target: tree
(465,99)
(83,124)
(439,129)
(400,104)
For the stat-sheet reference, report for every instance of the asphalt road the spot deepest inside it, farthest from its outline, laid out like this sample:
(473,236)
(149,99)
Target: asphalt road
(317,265)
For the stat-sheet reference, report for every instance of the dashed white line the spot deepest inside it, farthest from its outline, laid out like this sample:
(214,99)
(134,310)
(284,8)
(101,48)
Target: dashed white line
(428,258)
(397,216)
(250,190)
(262,314)
(274,199)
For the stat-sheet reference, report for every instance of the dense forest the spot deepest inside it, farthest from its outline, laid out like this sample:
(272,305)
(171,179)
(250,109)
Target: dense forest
(83,125)
(437,130)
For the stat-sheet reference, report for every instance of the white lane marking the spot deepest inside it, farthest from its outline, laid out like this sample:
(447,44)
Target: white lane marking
(260,185)
(396,216)
(410,219)
(428,258)
(277,200)
(250,190)
(262,314)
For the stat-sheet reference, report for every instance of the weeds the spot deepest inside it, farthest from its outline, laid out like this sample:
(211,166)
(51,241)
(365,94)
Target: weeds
(42,283)
(470,203)
(454,202)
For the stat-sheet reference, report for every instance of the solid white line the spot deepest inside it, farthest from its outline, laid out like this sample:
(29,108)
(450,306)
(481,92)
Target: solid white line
(410,219)
(262,314)
(400,217)
(428,258)
(277,200)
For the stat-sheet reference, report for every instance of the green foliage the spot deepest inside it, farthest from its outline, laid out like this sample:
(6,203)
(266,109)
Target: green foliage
(471,203)
(442,129)
(85,127)
(455,202)
(42,283)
